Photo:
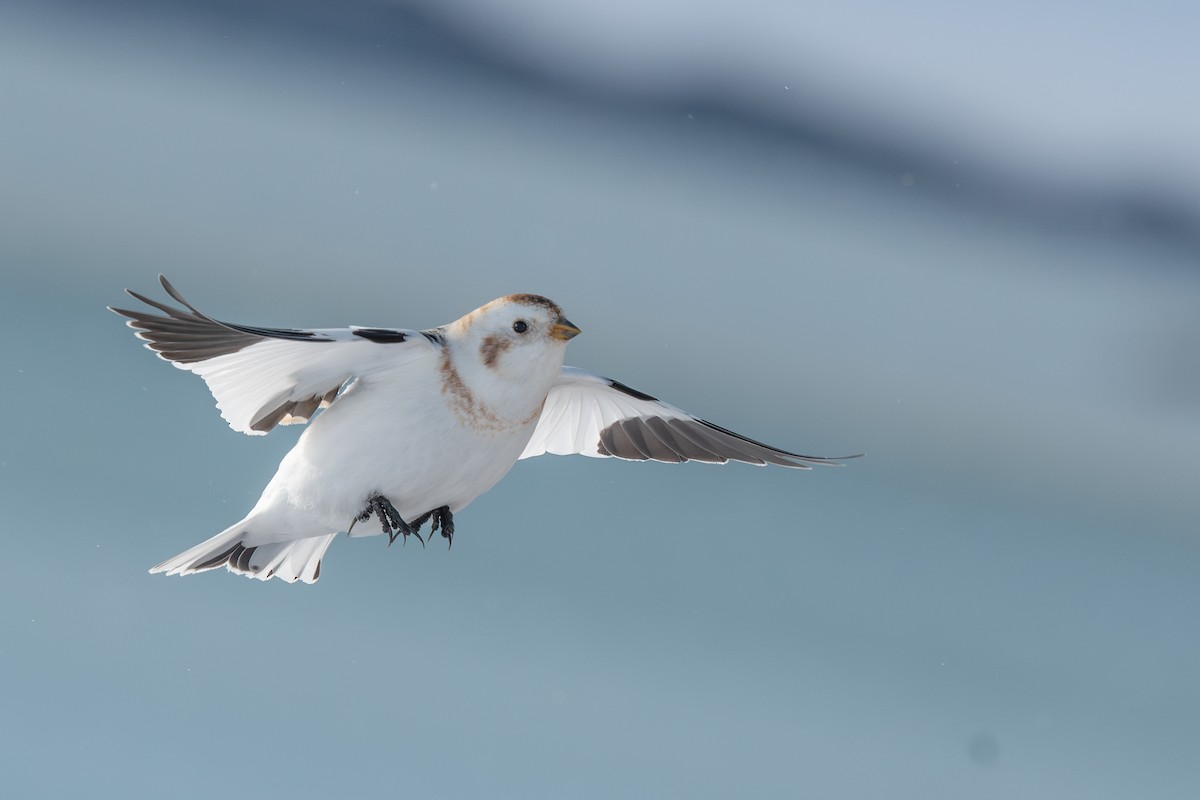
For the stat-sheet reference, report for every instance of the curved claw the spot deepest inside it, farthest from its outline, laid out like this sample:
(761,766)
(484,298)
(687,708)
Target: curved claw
(395,527)
(446,519)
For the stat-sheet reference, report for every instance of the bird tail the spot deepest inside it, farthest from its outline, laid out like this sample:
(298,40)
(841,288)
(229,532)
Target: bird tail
(295,559)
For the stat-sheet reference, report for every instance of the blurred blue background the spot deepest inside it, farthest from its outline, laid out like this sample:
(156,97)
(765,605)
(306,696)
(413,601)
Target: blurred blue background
(962,239)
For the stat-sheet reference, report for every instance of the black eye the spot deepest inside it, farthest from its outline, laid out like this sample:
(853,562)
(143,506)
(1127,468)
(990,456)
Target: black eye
(519,326)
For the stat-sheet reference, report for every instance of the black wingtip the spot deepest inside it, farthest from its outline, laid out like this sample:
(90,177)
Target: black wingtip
(829,461)
(175,295)
(832,461)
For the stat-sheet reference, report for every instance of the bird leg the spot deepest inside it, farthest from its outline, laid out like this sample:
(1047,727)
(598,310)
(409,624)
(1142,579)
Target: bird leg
(389,519)
(395,527)
(421,520)
(443,517)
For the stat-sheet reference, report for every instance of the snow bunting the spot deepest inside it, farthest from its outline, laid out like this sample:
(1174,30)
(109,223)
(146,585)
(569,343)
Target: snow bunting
(415,424)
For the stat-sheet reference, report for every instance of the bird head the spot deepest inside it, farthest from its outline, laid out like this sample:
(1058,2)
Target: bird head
(513,347)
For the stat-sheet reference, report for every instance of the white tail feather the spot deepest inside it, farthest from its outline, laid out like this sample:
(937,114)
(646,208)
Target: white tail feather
(297,559)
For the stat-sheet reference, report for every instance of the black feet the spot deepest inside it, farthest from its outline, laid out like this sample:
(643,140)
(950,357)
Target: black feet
(389,519)
(395,527)
(441,518)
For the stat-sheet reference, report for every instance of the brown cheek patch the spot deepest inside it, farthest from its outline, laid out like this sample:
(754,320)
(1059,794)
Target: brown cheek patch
(491,349)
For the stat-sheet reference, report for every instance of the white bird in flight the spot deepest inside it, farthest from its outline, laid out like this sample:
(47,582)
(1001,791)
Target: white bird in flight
(415,424)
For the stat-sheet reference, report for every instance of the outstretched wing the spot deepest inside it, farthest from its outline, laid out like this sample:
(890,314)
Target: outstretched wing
(262,377)
(596,416)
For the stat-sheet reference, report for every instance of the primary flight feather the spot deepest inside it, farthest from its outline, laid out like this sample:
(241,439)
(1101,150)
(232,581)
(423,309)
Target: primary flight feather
(415,424)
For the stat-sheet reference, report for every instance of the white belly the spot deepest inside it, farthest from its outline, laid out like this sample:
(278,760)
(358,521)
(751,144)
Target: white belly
(398,444)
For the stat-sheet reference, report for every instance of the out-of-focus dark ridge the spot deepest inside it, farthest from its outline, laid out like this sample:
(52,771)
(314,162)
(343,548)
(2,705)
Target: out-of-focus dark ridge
(407,34)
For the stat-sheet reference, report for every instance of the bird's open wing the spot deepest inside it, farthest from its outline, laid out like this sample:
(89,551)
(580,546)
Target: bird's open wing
(262,377)
(596,416)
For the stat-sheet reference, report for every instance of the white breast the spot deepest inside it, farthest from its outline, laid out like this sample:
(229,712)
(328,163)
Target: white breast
(407,442)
